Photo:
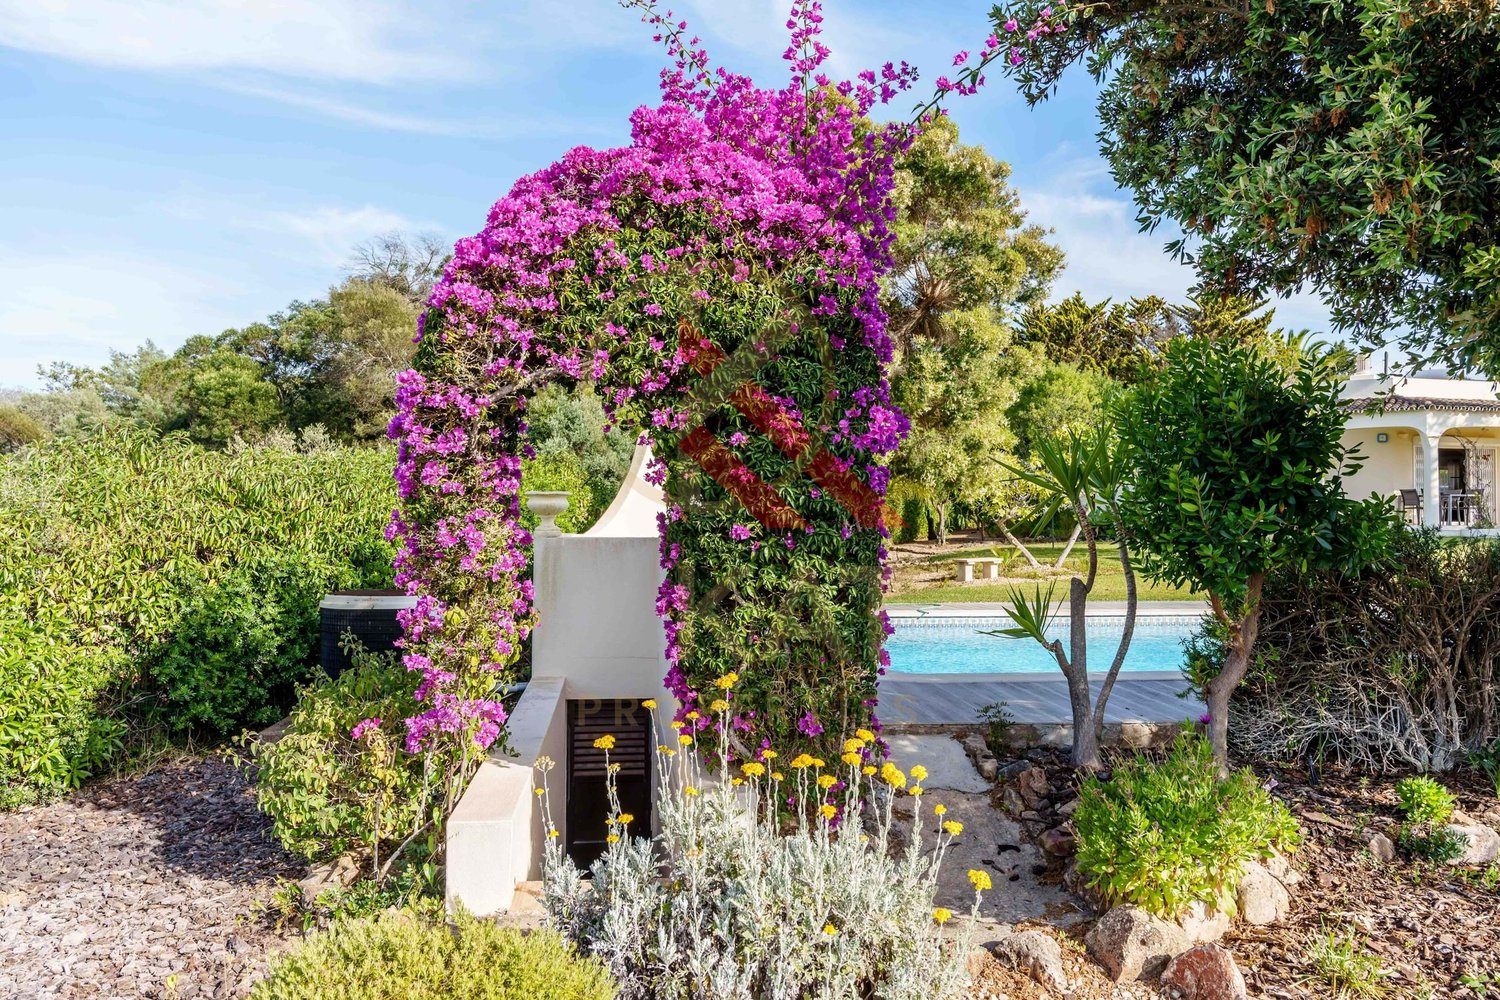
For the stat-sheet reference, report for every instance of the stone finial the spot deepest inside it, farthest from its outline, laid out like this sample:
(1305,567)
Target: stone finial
(547,506)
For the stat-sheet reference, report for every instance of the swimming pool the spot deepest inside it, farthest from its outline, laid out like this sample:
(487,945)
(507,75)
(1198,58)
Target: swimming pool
(953,645)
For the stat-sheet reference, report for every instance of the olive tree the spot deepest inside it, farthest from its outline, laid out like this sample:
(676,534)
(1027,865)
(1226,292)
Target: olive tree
(1236,469)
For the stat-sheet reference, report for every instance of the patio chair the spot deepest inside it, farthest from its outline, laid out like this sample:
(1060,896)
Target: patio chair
(1411,500)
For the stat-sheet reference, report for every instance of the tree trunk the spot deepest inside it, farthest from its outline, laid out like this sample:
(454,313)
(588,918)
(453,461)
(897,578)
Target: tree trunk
(942,524)
(1068,549)
(1125,637)
(1085,737)
(1236,664)
(1013,540)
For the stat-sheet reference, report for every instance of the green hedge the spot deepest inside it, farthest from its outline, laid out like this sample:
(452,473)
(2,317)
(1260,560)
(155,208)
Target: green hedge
(146,580)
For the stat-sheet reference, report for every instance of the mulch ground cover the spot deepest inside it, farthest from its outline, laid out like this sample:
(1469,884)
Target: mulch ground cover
(1433,929)
(142,886)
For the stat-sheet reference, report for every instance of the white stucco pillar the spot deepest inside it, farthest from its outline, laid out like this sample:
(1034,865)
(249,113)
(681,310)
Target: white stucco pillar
(1430,489)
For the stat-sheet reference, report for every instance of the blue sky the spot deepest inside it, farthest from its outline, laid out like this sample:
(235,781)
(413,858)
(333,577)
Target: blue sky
(174,167)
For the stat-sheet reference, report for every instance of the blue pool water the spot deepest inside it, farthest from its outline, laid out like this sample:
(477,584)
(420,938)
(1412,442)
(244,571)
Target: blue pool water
(941,645)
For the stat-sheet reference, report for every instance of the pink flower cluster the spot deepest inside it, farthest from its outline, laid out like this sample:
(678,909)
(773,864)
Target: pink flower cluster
(736,185)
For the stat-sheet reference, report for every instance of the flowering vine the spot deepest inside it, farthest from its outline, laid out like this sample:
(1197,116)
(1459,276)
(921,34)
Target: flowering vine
(745,223)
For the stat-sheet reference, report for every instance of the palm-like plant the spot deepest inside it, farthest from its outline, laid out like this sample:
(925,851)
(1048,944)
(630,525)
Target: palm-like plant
(1084,473)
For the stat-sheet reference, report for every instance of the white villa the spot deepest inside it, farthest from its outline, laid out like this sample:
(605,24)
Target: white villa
(1429,442)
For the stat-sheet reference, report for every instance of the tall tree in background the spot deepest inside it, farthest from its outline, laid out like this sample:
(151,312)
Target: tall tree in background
(1109,338)
(965,259)
(1353,147)
(408,265)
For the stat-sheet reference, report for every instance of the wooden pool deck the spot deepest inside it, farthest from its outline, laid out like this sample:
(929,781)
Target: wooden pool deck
(919,701)
(915,702)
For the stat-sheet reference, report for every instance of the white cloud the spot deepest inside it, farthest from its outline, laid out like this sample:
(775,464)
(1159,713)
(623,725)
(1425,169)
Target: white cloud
(71,307)
(1107,254)
(350,40)
(326,235)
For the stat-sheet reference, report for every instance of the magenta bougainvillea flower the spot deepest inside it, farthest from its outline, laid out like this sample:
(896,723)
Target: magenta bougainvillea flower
(755,222)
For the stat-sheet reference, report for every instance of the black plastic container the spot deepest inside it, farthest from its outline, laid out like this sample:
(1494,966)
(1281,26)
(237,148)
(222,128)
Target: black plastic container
(369,614)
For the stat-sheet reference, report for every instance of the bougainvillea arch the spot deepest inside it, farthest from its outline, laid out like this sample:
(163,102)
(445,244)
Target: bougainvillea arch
(718,280)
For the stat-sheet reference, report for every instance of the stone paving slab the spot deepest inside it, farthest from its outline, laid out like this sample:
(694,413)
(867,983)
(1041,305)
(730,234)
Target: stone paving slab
(948,766)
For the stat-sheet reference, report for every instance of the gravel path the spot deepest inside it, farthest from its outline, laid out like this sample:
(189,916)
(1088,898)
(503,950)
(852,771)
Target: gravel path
(116,889)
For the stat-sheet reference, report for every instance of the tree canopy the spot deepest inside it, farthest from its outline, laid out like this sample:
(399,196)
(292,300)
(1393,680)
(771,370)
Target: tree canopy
(1350,147)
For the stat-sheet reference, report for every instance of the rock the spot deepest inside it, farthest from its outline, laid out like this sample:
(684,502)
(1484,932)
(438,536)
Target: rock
(1013,768)
(1204,972)
(974,745)
(1130,943)
(1203,924)
(989,768)
(1036,954)
(1058,842)
(1484,844)
(1491,819)
(1261,897)
(1382,849)
(1033,786)
(331,875)
(1010,800)
(975,962)
(1068,808)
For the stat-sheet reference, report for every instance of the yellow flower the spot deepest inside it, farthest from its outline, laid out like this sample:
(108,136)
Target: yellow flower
(719,705)
(551,833)
(819,762)
(802,760)
(953,827)
(541,791)
(865,735)
(853,744)
(649,704)
(852,759)
(919,772)
(612,839)
(942,914)
(940,809)
(689,790)
(892,775)
(685,740)
(916,790)
(826,781)
(768,755)
(867,770)
(753,769)
(736,781)
(663,748)
(828,811)
(692,717)
(604,743)
(678,724)
(777,776)
(980,880)
(830,930)
(727,681)
(626,818)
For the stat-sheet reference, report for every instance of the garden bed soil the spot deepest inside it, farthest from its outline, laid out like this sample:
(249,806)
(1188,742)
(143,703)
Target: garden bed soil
(1432,927)
(142,886)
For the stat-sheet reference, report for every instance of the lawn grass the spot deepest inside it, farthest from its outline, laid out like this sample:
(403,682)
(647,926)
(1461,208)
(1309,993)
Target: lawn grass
(1109,586)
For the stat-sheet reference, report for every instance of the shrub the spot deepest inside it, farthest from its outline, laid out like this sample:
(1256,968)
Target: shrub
(1165,835)
(145,579)
(1427,806)
(722,904)
(18,429)
(1393,668)
(396,956)
(329,793)
(1424,800)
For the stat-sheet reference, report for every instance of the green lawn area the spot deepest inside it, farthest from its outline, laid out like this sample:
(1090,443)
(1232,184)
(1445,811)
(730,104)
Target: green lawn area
(916,583)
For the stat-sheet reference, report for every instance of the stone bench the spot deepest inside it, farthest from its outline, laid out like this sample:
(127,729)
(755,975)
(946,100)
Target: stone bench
(969,570)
